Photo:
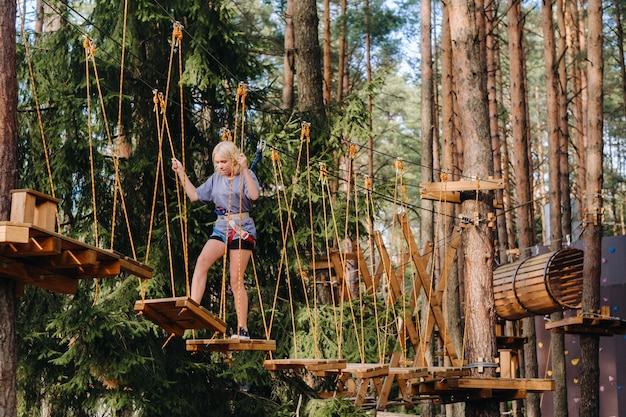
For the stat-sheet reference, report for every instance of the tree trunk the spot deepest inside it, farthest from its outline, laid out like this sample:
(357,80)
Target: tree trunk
(8,181)
(449,165)
(328,63)
(308,62)
(559,369)
(578,119)
(566,205)
(592,237)
(492,46)
(341,64)
(520,162)
(428,118)
(288,65)
(370,104)
(552,109)
(427,127)
(469,69)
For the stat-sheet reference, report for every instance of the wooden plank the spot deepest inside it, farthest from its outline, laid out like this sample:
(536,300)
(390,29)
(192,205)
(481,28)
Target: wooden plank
(531,385)
(447,197)
(385,260)
(178,314)
(364,269)
(309,364)
(366,370)
(463,185)
(13,232)
(590,324)
(230,345)
(36,246)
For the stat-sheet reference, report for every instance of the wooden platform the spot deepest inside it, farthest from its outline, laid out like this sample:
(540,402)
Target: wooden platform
(230,345)
(175,315)
(465,388)
(588,323)
(311,365)
(37,256)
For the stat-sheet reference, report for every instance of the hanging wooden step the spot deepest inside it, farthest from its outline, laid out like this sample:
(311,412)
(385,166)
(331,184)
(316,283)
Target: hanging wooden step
(589,323)
(230,345)
(177,314)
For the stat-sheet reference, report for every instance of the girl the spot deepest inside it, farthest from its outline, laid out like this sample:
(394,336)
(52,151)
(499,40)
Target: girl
(232,188)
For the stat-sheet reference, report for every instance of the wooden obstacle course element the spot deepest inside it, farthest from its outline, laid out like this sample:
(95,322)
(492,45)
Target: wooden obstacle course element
(177,314)
(33,207)
(230,345)
(445,387)
(450,191)
(589,323)
(356,379)
(539,285)
(435,299)
(403,376)
(31,252)
(311,365)
(335,266)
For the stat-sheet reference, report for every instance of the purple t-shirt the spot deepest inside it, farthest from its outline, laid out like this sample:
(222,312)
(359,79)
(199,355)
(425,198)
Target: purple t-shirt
(226,194)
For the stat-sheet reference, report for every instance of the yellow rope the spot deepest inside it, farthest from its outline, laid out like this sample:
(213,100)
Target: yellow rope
(283,258)
(360,341)
(177,37)
(156,101)
(369,203)
(324,185)
(89,50)
(115,150)
(306,134)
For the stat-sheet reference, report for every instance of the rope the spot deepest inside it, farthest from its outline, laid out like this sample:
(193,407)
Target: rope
(324,184)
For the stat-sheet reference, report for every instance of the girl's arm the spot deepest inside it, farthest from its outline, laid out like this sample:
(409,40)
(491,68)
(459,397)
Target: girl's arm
(190,189)
(251,185)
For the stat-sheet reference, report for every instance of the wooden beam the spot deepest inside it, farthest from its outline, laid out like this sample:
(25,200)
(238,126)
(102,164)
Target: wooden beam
(30,274)
(463,185)
(230,345)
(13,232)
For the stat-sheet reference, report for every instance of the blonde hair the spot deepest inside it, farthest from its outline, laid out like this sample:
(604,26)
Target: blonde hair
(227,150)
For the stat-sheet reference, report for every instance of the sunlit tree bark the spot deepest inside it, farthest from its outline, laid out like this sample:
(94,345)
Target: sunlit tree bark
(288,65)
(592,236)
(8,181)
(469,69)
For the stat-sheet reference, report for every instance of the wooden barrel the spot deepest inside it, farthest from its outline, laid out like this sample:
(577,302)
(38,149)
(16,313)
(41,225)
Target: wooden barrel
(539,285)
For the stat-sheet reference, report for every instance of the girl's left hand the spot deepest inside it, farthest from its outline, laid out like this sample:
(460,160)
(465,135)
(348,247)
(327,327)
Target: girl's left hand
(242,160)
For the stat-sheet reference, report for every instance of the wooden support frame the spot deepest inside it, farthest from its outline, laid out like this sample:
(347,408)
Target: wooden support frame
(40,257)
(435,298)
(356,379)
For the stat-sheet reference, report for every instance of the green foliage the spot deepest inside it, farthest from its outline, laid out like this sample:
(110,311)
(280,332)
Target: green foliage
(335,407)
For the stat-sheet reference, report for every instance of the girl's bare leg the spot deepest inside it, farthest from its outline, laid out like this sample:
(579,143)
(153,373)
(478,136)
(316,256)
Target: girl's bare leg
(213,250)
(239,259)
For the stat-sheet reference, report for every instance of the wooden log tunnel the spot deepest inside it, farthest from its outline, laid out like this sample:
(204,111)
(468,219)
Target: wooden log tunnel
(539,285)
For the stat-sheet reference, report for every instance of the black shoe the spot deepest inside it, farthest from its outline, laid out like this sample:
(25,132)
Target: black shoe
(243,334)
